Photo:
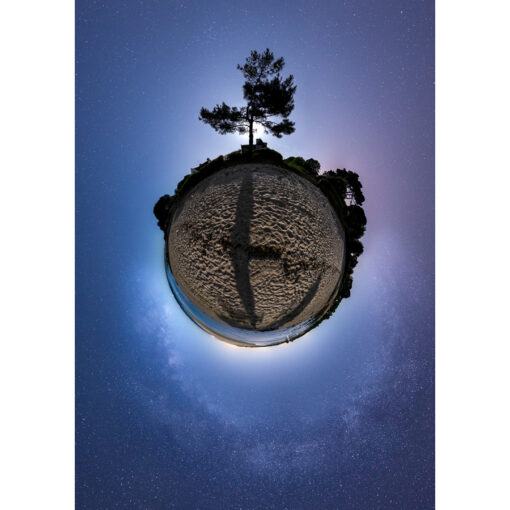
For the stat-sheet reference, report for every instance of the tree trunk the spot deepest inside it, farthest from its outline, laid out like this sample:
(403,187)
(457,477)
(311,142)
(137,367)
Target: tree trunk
(251,134)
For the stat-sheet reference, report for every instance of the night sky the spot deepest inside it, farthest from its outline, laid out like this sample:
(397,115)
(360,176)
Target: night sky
(168,416)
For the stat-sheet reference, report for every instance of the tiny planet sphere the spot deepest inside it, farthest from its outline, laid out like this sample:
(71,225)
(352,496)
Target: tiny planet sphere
(255,254)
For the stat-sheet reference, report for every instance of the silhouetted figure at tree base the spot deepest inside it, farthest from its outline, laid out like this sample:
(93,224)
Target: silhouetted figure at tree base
(258,145)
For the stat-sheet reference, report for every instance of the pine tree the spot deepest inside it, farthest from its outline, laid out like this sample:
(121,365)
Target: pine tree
(267,95)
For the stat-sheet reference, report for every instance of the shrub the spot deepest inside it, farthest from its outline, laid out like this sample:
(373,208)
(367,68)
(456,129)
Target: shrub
(162,211)
(267,154)
(312,166)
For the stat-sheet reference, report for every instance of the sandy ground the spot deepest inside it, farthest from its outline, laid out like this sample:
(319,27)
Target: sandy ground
(257,247)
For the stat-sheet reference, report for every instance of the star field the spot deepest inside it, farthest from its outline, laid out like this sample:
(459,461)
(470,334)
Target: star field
(168,417)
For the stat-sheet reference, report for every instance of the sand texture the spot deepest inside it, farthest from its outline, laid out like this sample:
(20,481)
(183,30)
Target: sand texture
(257,247)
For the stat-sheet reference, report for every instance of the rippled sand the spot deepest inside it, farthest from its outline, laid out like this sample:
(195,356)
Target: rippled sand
(257,247)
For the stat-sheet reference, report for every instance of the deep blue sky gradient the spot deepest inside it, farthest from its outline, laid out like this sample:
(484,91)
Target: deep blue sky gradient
(167,416)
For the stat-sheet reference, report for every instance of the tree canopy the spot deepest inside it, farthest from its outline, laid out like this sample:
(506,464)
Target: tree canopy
(267,95)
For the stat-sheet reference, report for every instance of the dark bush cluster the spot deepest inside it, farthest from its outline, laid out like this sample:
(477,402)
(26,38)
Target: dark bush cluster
(162,211)
(344,191)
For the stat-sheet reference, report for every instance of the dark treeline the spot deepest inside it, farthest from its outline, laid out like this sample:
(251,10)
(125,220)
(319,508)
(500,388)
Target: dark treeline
(342,188)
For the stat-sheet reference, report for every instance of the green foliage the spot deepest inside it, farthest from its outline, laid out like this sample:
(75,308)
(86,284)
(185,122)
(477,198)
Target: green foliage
(297,160)
(267,95)
(345,183)
(312,166)
(298,165)
(337,186)
(293,164)
(335,183)
(267,155)
(225,119)
(352,183)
